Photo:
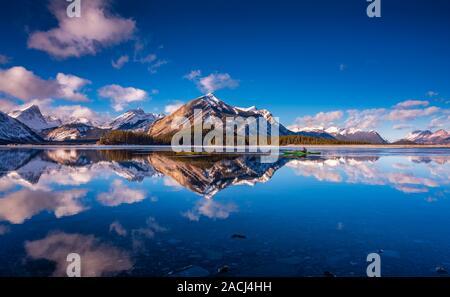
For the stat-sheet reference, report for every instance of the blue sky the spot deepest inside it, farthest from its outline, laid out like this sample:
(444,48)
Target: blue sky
(312,63)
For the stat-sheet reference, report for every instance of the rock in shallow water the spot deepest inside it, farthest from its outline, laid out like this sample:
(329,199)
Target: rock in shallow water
(441,270)
(223,269)
(190,271)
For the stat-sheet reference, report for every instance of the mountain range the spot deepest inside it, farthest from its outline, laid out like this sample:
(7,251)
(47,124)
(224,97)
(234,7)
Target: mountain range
(341,134)
(30,125)
(428,137)
(211,106)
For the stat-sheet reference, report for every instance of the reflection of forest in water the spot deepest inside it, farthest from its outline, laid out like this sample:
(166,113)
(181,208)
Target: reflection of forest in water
(209,174)
(104,203)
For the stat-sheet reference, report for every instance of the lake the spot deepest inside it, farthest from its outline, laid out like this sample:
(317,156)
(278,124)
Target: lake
(144,212)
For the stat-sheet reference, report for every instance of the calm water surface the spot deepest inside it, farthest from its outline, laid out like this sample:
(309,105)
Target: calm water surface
(149,213)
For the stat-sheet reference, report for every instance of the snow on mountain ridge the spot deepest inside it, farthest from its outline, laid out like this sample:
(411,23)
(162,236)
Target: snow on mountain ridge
(134,120)
(32,117)
(428,137)
(14,131)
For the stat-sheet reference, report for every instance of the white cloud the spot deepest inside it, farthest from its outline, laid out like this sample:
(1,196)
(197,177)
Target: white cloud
(432,93)
(412,103)
(7,105)
(25,85)
(442,122)
(364,119)
(193,75)
(121,61)
(321,119)
(153,68)
(169,108)
(69,86)
(75,37)
(212,82)
(151,60)
(76,112)
(402,126)
(408,114)
(148,58)
(121,96)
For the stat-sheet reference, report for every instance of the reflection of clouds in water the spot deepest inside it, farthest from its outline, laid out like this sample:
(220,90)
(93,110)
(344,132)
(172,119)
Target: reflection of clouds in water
(118,229)
(320,171)
(407,179)
(63,156)
(3,229)
(120,194)
(441,160)
(22,205)
(150,229)
(210,209)
(5,184)
(70,176)
(401,166)
(372,172)
(411,190)
(170,182)
(139,235)
(43,177)
(97,258)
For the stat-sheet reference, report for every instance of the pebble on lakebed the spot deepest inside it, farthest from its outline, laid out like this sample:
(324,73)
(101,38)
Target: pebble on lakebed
(190,271)
(223,269)
(328,274)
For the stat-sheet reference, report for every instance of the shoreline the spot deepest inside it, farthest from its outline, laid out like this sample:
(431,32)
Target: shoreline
(363,146)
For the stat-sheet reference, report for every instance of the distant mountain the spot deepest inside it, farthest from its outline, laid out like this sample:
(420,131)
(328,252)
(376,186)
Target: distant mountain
(357,135)
(81,120)
(314,132)
(14,131)
(403,142)
(75,131)
(429,137)
(33,118)
(352,135)
(133,120)
(211,106)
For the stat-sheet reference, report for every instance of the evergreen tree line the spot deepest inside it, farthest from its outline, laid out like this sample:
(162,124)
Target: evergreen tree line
(119,137)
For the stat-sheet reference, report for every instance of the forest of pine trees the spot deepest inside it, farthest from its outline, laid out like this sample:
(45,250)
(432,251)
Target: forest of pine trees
(118,137)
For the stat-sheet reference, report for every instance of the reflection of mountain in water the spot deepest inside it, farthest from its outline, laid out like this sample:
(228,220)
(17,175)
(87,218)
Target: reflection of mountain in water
(369,171)
(205,175)
(13,159)
(209,175)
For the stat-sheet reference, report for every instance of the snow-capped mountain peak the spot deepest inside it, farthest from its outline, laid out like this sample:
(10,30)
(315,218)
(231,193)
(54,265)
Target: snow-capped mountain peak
(344,134)
(14,131)
(135,120)
(211,99)
(428,137)
(32,117)
(251,108)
